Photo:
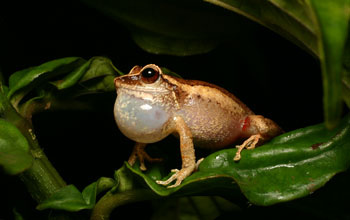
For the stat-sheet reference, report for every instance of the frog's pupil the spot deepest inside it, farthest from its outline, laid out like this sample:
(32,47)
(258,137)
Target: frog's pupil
(148,73)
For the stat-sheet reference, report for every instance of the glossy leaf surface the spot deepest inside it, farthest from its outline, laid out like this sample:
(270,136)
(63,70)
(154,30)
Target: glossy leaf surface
(290,166)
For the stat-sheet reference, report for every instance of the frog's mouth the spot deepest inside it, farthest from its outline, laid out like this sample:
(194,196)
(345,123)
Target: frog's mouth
(132,83)
(141,89)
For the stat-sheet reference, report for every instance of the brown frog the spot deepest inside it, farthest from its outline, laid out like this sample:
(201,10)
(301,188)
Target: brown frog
(151,105)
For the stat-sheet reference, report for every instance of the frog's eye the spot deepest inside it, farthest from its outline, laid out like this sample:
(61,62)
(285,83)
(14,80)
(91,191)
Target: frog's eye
(149,75)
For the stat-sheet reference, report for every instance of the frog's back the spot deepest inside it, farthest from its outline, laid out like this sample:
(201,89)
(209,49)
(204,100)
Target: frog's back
(213,114)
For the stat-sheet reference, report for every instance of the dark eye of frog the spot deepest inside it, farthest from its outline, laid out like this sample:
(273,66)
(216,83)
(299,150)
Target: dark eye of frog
(149,75)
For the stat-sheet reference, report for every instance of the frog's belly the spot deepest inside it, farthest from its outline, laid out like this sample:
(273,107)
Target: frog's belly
(211,126)
(140,120)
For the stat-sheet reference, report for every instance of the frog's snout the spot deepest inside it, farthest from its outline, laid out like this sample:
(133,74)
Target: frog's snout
(119,81)
(116,82)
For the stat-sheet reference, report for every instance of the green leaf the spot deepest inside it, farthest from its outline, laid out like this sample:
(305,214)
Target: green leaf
(346,87)
(96,75)
(70,199)
(23,81)
(177,28)
(14,149)
(332,19)
(72,78)
(124,180)
(291,19)
(105,183)
(3,99)
(55,84)
(346,74)
(89,194)
(290,166)
(167,45)
(17,215)
(100,75)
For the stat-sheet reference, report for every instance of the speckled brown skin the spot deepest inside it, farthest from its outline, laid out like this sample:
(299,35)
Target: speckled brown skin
(197,112)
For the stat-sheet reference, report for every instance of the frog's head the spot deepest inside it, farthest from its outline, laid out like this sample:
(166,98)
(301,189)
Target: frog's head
(147,79)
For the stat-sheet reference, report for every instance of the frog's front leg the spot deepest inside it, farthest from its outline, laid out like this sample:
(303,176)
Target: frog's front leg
(140,153)
(187,154)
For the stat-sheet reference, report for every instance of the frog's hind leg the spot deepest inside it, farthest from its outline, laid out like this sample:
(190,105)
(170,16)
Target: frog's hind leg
(140,153)
(248,144)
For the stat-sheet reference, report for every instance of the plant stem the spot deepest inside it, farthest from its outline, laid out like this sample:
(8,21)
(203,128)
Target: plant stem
(110,201)
(42,179)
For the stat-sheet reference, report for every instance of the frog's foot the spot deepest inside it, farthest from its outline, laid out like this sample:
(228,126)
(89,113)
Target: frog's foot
(197,163)
(179,176)
(249,144)
(140,153)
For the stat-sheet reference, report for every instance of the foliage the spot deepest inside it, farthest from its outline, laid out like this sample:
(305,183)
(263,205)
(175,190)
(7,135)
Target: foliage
(290,166)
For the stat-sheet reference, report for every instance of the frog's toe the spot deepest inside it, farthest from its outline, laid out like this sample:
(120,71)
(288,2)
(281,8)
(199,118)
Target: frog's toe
(249,144)
(151,159)
(132,159)
(145,157)
(142,156)
(179,176)
(237,156)
(143,166)
(171,179)
(198,162)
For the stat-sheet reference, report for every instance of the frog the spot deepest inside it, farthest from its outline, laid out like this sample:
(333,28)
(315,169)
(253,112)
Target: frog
(151,105)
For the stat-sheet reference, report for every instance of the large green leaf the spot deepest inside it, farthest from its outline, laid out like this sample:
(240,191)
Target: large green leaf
(291,19)
(290,166)
(23,81)
(14,149)
(57,82)
(198,27)
(173,27)
(96,67)
(346,74)
(332,19)
(163,44)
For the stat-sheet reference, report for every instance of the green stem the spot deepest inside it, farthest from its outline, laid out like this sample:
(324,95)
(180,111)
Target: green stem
(42,179)
(110,201)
